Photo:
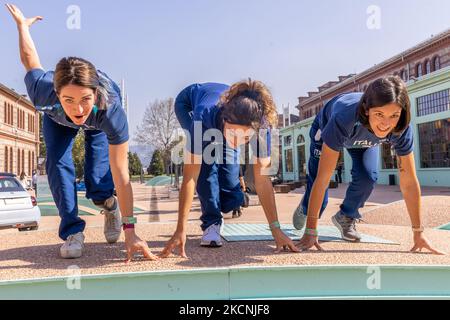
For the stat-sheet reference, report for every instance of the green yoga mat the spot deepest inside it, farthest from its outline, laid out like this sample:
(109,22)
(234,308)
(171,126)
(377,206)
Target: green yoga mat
(445,227)
(49,208)
(261,232)
(52,211)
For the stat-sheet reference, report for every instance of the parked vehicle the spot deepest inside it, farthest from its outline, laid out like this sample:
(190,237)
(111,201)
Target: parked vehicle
(18,209)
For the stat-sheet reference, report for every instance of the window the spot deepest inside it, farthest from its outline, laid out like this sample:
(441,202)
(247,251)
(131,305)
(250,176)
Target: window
(6,159)
(419,70)
(23,161)
(30,123)
(289,164)
(8,184)
(388,157)
(436,63)
(11,160)
(29,162)
(433,103)
(427,67)
(300,139)
(288,141)
(9,111)
(403,75)
(11,114)
(19,163)
(435,144)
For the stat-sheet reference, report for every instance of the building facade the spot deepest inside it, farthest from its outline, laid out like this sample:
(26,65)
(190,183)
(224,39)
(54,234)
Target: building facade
(19,133)
(426,70)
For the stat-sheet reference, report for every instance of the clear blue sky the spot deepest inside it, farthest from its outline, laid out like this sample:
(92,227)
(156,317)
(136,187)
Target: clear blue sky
(160,47)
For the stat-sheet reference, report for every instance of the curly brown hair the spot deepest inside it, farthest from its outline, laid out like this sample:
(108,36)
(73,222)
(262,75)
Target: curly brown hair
(249,103)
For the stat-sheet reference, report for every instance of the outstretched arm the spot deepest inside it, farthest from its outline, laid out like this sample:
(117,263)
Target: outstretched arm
(410,188)
(118,158)
(266,195)
(191,172)
(28,52)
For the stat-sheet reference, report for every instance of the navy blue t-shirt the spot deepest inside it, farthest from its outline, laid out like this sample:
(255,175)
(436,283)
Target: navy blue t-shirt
(200,103)
(340,127)
(112,120)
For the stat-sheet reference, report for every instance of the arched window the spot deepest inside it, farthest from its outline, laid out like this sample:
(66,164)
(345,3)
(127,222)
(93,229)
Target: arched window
(427,67)
(29,162)
(403,74)
(19,169)
(6,159)
(300,139)
(436,63)
(419,70)
(288,141)
(11,160)
(23,161)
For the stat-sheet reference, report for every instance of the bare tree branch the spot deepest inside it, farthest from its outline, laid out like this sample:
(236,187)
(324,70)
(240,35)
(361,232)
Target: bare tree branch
(158,127)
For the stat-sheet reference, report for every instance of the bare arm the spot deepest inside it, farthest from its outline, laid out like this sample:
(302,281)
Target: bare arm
(265,192)
(242,182)
(118,159)
(192,167)
(190,176)
(266,196)
(410,188)
(28,52)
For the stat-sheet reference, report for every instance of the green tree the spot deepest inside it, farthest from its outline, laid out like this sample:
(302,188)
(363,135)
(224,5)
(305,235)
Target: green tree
(156,167)
(134,164)
(78,153)
(42,146)
(159,129)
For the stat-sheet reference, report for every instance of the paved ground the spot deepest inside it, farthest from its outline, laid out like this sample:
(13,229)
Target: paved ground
(35,254)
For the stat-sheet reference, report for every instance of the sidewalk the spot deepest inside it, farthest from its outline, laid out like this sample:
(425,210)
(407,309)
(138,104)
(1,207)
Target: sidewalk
(35,254)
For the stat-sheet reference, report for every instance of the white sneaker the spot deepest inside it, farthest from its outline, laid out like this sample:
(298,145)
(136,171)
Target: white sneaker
(73,247)
(211,237)
(113,221)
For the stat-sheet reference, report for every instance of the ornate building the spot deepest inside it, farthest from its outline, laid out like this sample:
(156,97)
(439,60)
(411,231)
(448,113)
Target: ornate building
(19,133)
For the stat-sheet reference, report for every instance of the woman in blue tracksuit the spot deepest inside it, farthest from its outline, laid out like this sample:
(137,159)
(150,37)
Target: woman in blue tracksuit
(360,123)
(77,96)
(218,120)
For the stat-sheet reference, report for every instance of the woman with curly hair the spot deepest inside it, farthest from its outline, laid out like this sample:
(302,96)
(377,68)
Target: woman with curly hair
(218,121)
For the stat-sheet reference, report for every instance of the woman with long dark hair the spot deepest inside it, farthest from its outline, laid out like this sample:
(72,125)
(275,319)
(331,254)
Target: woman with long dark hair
(78,96)
(360,123)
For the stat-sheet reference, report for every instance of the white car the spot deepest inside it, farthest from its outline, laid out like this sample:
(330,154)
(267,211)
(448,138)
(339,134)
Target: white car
(18,209)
